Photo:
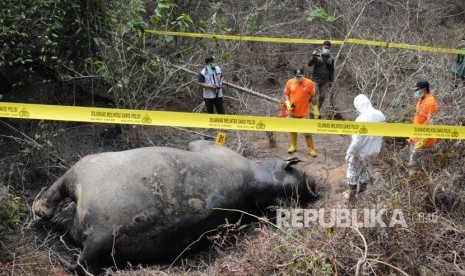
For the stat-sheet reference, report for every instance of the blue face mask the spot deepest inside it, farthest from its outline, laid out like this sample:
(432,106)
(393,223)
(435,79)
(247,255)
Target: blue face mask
(299,78)
(416,94)
(213,65)
(325,52)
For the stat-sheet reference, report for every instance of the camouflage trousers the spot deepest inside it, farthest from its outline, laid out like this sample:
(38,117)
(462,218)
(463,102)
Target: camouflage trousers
(359,171)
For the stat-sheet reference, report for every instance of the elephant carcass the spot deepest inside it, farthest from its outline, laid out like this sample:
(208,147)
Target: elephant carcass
(146,205)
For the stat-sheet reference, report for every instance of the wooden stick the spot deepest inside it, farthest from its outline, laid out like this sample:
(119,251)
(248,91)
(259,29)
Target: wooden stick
(243,89)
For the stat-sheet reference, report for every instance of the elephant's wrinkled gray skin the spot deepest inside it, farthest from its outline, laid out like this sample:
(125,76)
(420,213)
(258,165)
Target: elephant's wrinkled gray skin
(148,204)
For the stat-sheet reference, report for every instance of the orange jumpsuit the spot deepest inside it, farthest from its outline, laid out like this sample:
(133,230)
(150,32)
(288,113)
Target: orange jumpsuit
(426,107)
(300,94)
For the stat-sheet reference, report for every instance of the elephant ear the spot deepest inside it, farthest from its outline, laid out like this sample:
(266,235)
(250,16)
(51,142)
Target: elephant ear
(292,161)
(311,187)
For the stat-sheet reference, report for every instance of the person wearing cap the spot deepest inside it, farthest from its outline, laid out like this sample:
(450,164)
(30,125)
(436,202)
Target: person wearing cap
(323,71)
(458,69)
(211,80)
(362,148)
(427,108)
(299,92)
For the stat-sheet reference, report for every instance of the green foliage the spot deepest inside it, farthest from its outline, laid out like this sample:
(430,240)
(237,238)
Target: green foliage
(10,213)
(120,64)
(48,36)
(162,13)
(15,215)
(95,65)
(183,22)
(38,152)
(216,23)
(319,14)
(252,22)
(29,30)
(163,16)
(66,39)
(308,264)
(127,19)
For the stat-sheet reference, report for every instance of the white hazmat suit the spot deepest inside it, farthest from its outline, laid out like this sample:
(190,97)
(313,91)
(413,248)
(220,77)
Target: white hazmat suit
(361,147)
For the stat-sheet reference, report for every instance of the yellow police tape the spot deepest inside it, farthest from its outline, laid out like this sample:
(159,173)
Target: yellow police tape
(216,121)
(311,41)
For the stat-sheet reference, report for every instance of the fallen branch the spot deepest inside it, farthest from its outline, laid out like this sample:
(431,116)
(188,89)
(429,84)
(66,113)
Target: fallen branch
(362,260)
(32,142)
(243,89)
(192,243)
(264,220)
(390,265)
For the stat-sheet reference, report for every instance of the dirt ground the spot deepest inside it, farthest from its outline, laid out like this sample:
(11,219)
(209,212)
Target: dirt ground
(328,168)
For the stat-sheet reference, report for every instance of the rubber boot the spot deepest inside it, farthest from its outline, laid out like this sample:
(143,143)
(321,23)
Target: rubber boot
(351,193)
(311,150)
(362,187)
(292,148)
(415,177)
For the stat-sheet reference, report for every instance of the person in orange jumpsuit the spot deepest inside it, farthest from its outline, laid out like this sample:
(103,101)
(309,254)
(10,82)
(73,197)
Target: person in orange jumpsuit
(427,108)
(299,92)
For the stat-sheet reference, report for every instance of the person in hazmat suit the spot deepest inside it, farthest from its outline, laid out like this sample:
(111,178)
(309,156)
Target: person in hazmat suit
(361,148)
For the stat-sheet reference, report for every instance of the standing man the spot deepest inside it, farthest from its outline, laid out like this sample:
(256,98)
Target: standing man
(299,93)
(427,108)
(211,80)
(459,67)
(323,71)
(361,148)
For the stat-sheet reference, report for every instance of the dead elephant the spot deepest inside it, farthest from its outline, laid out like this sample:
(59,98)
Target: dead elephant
(146,205)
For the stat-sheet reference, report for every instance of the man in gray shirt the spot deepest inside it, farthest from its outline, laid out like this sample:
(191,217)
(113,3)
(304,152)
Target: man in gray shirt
(211,80)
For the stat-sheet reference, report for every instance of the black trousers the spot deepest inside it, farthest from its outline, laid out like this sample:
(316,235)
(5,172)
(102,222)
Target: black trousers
(217,102)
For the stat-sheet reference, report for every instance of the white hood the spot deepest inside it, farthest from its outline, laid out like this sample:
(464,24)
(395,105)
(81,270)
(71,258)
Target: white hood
(366,111)
(362,103)
(366,145)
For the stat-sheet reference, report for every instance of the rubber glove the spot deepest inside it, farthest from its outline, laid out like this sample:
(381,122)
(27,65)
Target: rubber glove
(289,106)
(349,157)
(419,144)
(316,112)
